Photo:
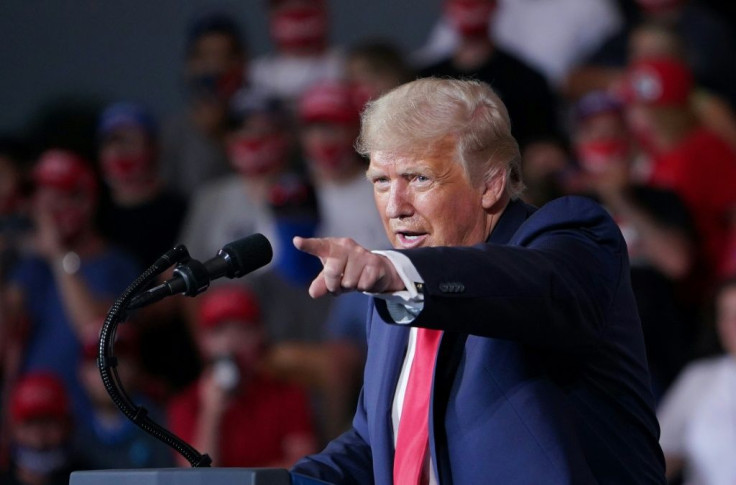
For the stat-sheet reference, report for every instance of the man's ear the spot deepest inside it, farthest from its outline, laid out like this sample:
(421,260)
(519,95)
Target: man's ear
(494,189)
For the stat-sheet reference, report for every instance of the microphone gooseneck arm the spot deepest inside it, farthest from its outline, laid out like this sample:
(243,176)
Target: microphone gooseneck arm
(107,363)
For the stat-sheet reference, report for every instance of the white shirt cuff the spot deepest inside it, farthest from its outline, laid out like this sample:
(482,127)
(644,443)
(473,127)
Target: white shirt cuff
(405,305)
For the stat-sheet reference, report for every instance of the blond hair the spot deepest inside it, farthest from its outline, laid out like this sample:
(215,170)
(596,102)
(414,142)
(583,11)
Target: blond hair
(422,115)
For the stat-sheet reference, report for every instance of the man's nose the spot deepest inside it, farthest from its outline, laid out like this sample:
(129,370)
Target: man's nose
(399,203)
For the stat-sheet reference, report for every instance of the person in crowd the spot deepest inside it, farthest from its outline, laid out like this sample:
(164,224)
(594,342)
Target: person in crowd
(659,231)
(524,28)
(301,56)
(525,91)
(71,277)
(41,426)
(707,42)
(685,156)
(192,143)
(106,438)
(267,195)
(329,119)
(235,412)
(655,40)
(492,323)
(696,414)
(259,145)
(141,215)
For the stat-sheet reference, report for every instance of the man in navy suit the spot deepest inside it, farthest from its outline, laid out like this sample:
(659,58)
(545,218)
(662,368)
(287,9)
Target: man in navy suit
(540,376)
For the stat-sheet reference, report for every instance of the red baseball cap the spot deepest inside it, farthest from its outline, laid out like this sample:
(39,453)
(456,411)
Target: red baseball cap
(229,303)
(658,82)
(64,170)
(330,101)
(38,395)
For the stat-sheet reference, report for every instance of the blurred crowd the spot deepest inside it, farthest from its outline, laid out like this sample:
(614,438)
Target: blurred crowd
(630,102)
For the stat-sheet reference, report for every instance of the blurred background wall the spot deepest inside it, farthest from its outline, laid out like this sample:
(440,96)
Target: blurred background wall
(87,52)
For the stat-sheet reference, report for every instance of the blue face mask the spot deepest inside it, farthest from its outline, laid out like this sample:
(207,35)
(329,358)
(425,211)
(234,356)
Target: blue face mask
(42,462)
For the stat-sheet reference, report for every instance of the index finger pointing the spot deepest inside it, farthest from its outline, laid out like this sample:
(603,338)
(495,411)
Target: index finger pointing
(319,247)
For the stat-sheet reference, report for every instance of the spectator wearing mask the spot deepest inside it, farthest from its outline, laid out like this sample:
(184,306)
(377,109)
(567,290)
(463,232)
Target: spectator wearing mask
(329,117)
(234,412)
(141,216)
(302,56)
(697,415)
(69,279)
(685,156)
(551,35)
(192,143)
(41,427)
(658,229)
(525,92)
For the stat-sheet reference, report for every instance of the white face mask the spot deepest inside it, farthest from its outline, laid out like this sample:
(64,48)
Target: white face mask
(42,462)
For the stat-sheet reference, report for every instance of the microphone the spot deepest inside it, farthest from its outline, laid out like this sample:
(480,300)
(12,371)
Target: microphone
(192,277)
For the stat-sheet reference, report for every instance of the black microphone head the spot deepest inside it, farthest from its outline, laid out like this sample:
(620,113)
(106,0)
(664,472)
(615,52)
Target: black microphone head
(247,254)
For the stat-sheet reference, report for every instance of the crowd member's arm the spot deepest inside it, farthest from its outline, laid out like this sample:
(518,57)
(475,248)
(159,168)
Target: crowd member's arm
(82,306)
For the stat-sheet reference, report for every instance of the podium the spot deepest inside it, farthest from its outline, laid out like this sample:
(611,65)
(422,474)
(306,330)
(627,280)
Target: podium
(192,476)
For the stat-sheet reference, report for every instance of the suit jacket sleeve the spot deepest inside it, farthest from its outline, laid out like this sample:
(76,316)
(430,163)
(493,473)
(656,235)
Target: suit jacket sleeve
(550,286)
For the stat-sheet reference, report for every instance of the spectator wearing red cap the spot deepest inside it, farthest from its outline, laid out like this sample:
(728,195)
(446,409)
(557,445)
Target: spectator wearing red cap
(106,438)
(707,39)
(302,56)
(656,225)
(261,146)
(40,428)
(686,157)
(71,275)
(329,116)
(234,412)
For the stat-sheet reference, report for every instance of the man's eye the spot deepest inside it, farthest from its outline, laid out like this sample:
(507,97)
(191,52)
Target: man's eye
(421,178)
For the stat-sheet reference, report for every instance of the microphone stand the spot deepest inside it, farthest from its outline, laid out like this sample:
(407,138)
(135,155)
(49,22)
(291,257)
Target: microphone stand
(107,363)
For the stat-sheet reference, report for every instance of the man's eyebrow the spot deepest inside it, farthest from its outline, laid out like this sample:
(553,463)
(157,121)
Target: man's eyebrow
(372,173)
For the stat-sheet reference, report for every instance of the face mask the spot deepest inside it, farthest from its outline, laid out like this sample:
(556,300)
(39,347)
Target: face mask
(256,155)
(595,156)
(127,168)
(220,86)
(470,18)
(41,462)
(299,27)
(330,156)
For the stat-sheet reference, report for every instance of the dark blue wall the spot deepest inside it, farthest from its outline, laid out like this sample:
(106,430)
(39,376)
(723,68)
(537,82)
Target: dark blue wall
(101,50)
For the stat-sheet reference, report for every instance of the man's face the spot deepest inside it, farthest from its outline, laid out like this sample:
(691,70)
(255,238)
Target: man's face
(427,200)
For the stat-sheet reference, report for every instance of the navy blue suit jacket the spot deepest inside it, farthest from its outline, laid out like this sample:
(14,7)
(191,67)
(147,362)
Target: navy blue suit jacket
(541,376)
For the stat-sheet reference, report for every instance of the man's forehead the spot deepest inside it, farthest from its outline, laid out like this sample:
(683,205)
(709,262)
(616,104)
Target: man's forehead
(404,160)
